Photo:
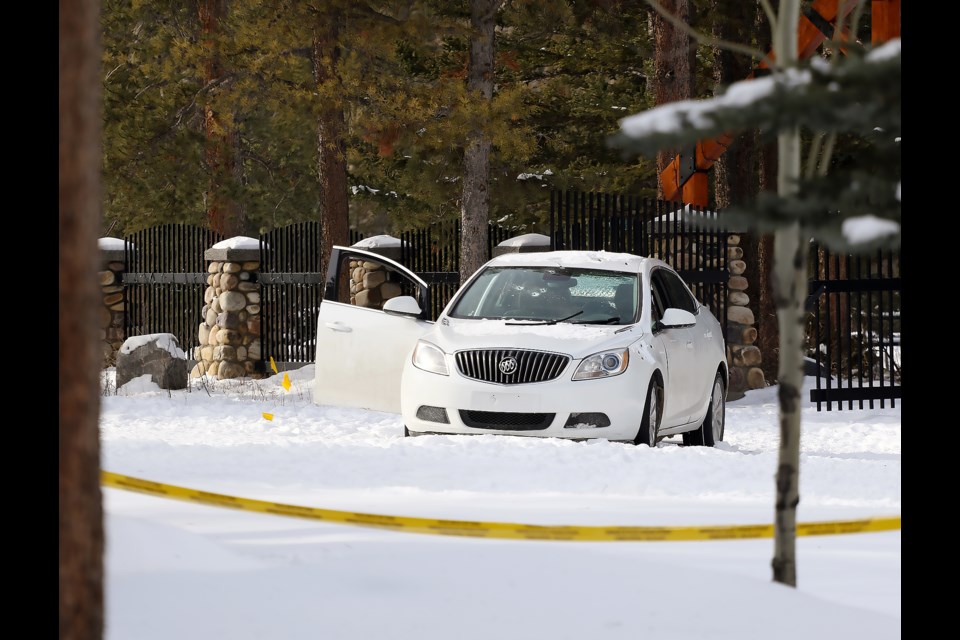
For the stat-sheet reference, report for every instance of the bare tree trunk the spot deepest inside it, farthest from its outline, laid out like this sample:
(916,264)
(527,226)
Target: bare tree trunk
(673,64)
(224,214)
(475,203)
(81,515)
(735,178)
(790,276)
(768,331)
(331,136)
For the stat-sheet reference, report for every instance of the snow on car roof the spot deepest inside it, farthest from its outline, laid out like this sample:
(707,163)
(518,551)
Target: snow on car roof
(576,259)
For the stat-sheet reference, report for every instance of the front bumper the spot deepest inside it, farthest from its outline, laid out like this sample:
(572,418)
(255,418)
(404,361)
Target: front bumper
(620,398)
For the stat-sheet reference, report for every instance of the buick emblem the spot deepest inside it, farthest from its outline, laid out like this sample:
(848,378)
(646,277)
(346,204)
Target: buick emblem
(508,365)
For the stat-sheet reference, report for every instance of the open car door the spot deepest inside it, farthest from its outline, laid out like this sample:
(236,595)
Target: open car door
(361,348)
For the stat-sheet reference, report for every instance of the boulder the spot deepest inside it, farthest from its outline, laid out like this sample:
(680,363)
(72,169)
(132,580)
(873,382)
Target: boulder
(158,355)
(230,369)
(232,301)
(743,315)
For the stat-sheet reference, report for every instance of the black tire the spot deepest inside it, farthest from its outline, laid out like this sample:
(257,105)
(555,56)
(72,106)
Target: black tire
(710,431)
(406,432)
(652,412)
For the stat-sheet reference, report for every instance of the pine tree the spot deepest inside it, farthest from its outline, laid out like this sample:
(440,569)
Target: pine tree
(566,71)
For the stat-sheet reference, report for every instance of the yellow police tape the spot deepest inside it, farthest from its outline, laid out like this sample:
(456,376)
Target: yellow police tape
(504,530)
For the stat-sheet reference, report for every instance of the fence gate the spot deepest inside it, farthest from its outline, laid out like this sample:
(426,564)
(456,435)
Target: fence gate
(291,287)
(855,328)
(688,239)
(164,281)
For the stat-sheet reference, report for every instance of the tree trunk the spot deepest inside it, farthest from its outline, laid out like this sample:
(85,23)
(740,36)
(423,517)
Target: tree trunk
(768,332)
(790,279)
(475,203)
(331,136)
(735,177)
(81,515)
(224,214)
(673,64)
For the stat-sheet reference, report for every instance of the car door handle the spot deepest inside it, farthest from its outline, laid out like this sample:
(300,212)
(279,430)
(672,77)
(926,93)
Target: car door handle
(336,326)
(690,344)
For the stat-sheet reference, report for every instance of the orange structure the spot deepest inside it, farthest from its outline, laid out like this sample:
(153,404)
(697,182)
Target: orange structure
(685,178)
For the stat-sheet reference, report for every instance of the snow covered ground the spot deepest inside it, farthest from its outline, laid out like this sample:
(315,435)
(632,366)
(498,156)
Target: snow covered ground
(179,570)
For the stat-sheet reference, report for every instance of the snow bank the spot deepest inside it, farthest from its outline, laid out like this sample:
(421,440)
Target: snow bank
(138,385)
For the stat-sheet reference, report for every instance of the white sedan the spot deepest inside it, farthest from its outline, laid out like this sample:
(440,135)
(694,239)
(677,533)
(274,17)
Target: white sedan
(568,344)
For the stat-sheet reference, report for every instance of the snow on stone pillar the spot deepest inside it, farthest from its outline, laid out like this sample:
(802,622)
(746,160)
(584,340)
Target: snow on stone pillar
(112,266)
(230,331)
(743,357)
(527,243)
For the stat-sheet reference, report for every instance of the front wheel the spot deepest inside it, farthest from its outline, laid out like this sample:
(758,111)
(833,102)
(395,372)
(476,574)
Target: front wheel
(710,432)
(650,425)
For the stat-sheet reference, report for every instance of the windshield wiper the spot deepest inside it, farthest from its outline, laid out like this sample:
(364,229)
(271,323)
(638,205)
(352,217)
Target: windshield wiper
(612,320)
(544,322)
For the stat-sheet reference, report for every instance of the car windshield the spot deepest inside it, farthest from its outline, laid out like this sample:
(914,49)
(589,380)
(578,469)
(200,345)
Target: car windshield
(551,294)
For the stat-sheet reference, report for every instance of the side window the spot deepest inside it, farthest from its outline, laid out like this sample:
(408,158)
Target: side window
(365,282)
(658,293)
(677,292)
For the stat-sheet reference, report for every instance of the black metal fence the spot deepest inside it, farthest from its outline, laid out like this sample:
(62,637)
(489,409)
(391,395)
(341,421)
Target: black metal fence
(855,328)
(433,253)
(291,288)
(165,278)
(166,273)
(688,239)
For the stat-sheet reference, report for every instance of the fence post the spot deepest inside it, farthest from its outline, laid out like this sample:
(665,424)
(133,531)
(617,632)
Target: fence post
(112,266)
(743,356)
(229,332)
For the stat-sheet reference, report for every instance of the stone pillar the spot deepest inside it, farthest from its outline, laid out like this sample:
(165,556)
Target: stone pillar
(230,331)
(743,357)
(112,267)
(369,284)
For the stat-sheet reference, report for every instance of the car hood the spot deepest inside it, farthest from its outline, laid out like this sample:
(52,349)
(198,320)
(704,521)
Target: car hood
(576,340)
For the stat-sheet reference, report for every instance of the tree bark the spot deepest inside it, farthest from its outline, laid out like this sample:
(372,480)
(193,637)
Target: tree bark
(673,64)
(475,202)
(334,208)
(735,178)
(222,140)
(81,516)
(790,279)
(768,331)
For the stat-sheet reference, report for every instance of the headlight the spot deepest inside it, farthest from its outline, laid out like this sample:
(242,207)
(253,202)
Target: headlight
(429,358)
(603,365)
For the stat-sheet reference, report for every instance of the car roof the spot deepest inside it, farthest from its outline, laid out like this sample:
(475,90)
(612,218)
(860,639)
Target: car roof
(603,260)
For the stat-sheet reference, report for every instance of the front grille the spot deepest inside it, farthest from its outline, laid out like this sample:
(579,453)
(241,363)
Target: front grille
(495,365)
(506,421)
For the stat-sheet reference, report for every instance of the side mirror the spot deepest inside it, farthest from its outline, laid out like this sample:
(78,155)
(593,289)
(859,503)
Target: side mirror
(403,306)
(674,317)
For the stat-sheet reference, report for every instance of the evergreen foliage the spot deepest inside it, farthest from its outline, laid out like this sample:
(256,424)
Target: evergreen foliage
(856,97)
(566,71)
